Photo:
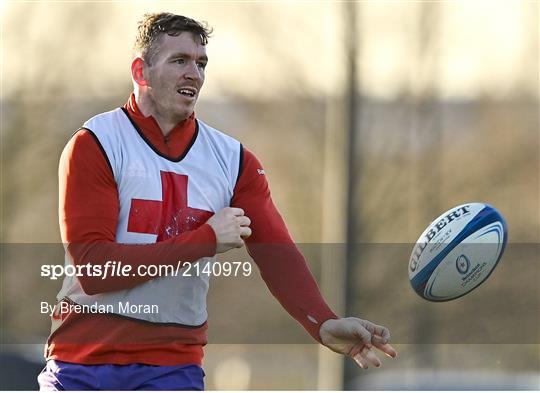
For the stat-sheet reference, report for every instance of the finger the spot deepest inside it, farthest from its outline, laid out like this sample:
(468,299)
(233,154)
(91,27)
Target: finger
(243,221)
(363,334)
(358,358)
(371,358)
(387,349)
(356,349)
(245,232)
(376,339)
(379,330)
(236,211)
(239,244)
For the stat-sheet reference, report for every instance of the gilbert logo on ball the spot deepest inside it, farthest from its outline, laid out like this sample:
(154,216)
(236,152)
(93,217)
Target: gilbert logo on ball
(457,252)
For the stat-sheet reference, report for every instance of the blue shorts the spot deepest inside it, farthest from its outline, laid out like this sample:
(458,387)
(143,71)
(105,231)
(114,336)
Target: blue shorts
(68,376)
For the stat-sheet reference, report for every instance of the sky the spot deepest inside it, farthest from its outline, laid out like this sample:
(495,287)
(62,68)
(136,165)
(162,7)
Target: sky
(272,49)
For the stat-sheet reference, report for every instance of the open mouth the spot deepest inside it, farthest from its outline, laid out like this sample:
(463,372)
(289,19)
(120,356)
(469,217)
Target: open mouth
(188,92)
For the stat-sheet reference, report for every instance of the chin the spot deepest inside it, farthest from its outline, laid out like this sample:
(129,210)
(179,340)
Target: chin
(180,110)
(183,115)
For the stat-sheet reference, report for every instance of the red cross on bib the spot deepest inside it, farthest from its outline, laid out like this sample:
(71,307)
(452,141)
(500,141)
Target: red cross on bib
(169,217)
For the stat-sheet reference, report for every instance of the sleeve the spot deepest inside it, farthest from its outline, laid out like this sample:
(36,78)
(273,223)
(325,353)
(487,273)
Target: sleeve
(88,215)
(282,265)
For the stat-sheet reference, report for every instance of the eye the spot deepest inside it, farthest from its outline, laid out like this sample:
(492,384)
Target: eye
(179,61)
(201,65)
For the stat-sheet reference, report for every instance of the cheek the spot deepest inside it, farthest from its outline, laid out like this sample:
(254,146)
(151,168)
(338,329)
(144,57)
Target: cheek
(160,78)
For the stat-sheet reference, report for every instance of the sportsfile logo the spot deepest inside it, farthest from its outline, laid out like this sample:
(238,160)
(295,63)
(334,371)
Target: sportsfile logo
(110,269)
(434,231)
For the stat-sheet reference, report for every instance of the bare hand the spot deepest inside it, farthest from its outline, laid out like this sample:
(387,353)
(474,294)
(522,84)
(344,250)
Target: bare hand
(231,228)
(356,338)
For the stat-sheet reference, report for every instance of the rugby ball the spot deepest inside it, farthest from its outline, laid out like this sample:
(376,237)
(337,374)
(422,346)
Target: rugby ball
(457,252)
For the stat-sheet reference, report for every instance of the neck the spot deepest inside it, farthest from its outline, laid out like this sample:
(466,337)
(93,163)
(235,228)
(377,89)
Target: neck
(148,108)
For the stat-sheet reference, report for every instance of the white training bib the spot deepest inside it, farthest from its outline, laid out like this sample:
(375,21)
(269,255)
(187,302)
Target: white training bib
(160,198)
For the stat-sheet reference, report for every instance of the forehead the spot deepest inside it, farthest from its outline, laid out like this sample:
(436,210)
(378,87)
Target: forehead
(185,43)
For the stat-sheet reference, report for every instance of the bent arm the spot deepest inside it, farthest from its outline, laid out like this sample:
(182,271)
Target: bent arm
(88,215)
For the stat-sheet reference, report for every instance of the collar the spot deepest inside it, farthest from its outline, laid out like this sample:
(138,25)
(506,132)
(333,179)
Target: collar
(172,144)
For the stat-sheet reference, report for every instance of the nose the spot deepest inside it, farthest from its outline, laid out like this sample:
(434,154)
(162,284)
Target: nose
(193,72)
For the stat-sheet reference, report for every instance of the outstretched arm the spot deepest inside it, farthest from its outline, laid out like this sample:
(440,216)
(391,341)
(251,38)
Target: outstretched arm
(287,275)
(282,266)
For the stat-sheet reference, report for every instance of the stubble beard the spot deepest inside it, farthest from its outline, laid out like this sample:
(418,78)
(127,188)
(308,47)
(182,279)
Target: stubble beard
(175,111)
(183,112)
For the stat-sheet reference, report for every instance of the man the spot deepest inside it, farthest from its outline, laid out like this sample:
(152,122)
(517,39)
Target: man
(149,184)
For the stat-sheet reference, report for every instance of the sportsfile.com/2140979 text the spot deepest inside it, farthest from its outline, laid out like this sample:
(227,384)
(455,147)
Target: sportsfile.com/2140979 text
(118,269)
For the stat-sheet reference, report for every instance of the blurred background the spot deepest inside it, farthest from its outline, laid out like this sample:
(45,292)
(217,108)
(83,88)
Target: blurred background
(371,119)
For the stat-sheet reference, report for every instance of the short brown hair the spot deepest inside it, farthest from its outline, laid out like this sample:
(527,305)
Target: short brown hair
(153,26)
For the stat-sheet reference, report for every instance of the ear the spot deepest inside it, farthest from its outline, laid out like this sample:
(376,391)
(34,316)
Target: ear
(137,67)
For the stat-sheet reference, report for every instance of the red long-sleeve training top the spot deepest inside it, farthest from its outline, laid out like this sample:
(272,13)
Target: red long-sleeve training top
(88,214)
